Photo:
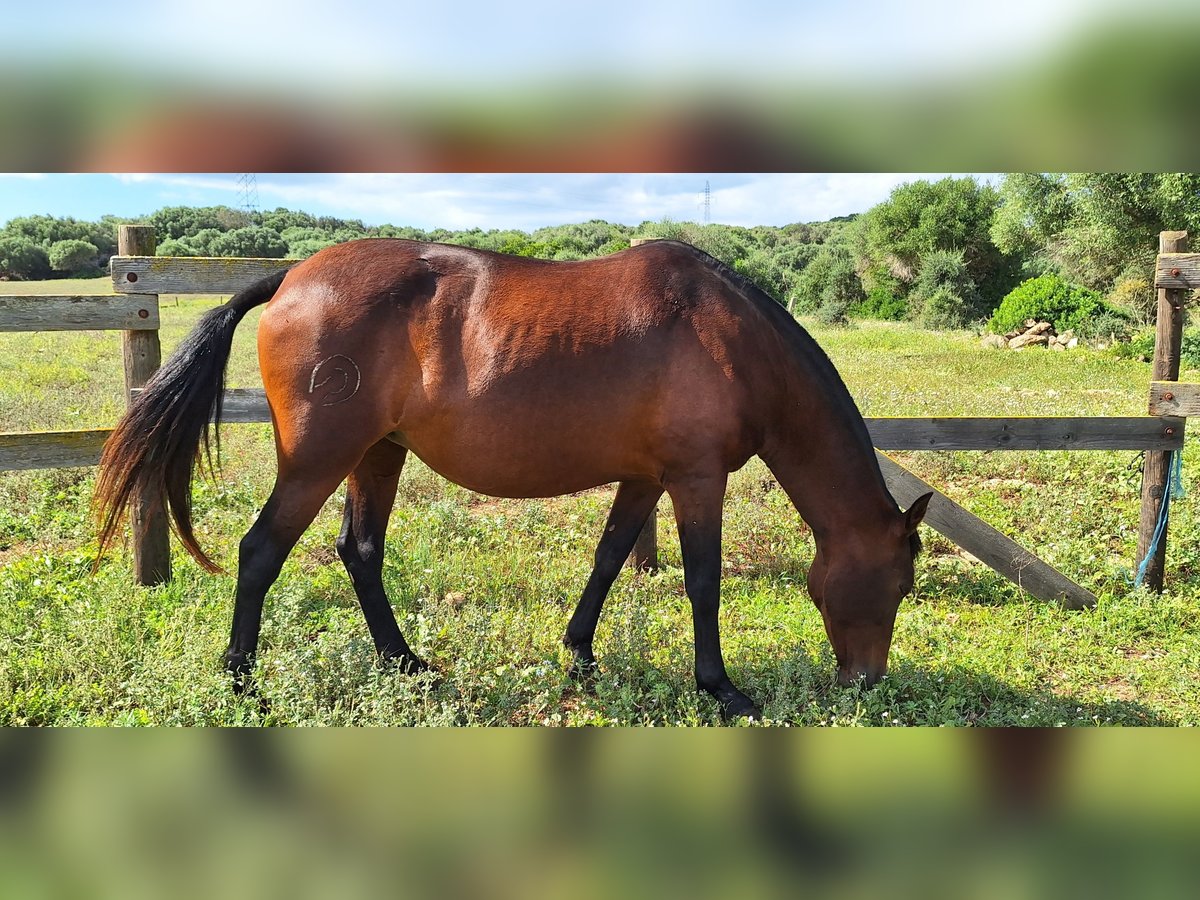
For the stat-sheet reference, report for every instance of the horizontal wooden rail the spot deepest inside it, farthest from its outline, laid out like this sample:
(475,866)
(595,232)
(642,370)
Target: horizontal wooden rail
(1027,433)
(122,312)
(1177,270)
(950,433)
(1174,398)
(190,275)
(51,449)
(44,450)
(239,405)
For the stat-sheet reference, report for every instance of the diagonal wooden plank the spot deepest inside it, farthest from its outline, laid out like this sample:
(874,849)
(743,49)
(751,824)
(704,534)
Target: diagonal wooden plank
(984,542)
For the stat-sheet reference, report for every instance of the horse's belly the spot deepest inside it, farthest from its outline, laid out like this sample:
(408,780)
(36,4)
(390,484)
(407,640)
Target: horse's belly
(547,433)
(500,463)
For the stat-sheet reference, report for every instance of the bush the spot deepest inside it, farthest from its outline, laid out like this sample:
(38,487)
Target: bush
(1109,325)
(1134,292)
(881,303)
(252,241)
(834,311)
(1141,347)
(175,247)
(760,267)
(944,309)
(1049,298)
(73,255)
(829,285)
(22,258)
(944,294)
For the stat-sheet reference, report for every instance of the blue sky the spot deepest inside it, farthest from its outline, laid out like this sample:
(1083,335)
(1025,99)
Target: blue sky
(458,201)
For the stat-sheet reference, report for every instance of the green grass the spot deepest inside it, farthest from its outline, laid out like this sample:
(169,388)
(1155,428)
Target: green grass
(484,588)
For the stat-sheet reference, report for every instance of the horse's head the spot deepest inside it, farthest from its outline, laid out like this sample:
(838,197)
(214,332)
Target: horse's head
(857,582)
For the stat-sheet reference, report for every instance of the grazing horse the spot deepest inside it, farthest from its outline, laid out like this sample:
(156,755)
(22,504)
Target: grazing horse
(657,367)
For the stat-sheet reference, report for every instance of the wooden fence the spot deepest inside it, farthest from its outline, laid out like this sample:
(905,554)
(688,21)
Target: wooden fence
(139,278)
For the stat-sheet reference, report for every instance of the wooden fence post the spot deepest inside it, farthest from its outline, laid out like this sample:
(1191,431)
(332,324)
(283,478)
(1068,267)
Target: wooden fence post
(1156,476)
(143,355)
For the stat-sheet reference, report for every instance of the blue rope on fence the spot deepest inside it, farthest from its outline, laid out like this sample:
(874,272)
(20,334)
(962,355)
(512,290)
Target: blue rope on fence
(1174,491)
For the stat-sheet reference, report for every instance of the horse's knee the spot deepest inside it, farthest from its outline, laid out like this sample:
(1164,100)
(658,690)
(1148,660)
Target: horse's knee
(608,561)
(360,556)
(256,564)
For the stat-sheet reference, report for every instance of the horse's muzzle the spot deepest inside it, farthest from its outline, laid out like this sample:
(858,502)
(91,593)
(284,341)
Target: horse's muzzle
(867,677)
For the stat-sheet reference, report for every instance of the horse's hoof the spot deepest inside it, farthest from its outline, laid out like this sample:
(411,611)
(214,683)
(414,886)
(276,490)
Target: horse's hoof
(584,671)
(740,707)
(408,663)
(240,667)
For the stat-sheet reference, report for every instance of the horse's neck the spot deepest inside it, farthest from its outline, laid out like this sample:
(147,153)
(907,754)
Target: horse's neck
(817,452)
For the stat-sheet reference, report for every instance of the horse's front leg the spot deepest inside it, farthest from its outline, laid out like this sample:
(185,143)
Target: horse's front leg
(698,502)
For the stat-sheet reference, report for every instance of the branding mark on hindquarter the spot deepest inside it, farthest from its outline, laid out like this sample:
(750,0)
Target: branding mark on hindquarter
(340,374)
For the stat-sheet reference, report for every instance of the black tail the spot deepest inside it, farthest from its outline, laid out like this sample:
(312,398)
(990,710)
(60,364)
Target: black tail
(155,448)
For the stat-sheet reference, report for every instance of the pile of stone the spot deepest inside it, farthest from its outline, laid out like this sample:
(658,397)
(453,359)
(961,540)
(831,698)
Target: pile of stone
(1034,334)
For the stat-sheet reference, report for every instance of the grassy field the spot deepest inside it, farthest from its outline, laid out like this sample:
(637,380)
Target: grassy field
(483,588)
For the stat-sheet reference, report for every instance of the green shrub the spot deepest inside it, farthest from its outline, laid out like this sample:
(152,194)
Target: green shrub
(886,295)
(1048,298)
(829,285)
(944,309)
(72,255)
(22,258)
(943,294)
(1141,347)
(1107,325)
(760,267)
(1134,292)
(881,303)
(834,310)
(176,247)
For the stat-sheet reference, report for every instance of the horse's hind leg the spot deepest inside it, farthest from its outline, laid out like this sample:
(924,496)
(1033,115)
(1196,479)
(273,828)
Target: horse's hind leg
(370,493)
(634,502)
(291,508)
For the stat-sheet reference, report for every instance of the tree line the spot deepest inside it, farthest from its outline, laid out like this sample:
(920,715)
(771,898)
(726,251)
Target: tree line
(943,254)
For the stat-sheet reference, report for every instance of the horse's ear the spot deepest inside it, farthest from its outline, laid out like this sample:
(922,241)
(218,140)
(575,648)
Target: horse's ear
(916,513)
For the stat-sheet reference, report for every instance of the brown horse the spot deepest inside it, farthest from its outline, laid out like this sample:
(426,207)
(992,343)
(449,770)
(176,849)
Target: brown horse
(658,368)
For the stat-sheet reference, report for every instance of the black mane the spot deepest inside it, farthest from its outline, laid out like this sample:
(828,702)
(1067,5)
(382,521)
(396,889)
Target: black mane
(807,350)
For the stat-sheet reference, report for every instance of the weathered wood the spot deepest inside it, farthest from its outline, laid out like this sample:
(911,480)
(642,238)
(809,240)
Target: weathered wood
(1174,398)
(1168,340)
(51,449)
(645,551)
(143,356)
(1026,433)
(951,433)
(239,406)
(126,312)
(1178,271)
(189,275)
(984,542)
